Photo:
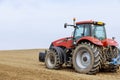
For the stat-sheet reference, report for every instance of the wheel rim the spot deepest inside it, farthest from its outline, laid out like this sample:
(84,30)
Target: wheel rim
(83,59)
(51,60)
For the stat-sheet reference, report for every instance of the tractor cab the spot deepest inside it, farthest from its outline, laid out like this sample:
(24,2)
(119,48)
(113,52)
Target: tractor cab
(92,31)
(90,28)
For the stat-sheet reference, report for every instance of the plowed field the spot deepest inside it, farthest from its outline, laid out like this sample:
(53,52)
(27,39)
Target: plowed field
(24,65)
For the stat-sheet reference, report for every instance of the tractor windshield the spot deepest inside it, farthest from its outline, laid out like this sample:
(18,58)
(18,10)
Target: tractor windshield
(99,32)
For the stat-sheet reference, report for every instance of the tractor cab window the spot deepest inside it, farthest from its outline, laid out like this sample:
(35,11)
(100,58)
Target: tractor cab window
(82,30)
(79,32)
(99,32)
(87,30)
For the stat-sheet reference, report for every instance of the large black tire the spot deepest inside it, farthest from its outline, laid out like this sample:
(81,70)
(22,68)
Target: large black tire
(42,56)
(53,59)
(86,59)
(115,53)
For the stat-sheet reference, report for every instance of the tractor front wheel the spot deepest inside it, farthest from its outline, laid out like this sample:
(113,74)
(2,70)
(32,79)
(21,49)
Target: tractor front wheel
(52,60)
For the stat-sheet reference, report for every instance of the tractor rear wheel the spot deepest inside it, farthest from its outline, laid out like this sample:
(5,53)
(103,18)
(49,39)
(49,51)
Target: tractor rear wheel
(114,54)
(86,59)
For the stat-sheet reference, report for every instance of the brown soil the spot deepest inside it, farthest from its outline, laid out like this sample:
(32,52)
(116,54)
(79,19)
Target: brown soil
(24,65)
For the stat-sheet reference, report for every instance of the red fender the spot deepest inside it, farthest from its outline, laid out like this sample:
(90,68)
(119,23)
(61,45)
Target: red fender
(109,42)
(91,39)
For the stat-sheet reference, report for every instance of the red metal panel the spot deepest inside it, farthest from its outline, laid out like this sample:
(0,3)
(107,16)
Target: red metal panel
(64,42)
(109,42)
(91,39)
(85,22)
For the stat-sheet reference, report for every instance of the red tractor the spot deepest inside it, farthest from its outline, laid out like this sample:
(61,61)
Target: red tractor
(87,51)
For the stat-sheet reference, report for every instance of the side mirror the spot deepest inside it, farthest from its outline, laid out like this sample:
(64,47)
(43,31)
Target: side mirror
(65,25)
(113,38)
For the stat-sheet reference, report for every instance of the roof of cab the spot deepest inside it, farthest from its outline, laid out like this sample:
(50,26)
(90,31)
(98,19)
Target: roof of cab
(85,22)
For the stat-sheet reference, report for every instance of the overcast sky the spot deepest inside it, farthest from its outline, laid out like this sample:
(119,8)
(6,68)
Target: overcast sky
(27,24)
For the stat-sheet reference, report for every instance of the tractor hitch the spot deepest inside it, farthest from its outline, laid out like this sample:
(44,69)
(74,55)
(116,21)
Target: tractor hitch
(115,61)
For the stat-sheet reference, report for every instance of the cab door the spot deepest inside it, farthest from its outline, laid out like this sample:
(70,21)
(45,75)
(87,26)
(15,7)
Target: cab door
(81,31)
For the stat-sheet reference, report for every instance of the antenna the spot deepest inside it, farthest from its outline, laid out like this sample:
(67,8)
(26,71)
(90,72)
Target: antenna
(74,22)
